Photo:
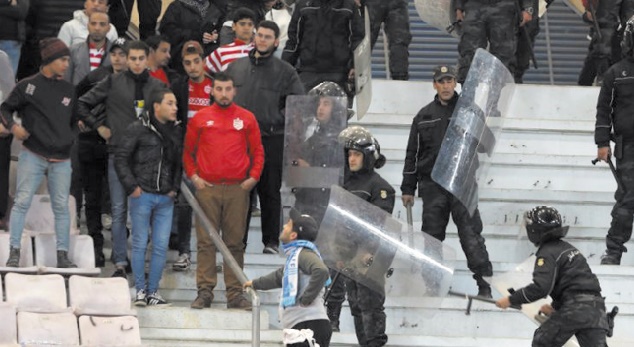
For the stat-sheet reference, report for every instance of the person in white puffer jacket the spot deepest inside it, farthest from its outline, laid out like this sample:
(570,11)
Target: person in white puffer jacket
(280,13)
(76,29)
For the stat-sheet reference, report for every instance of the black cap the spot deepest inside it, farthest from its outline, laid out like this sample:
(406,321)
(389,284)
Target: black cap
(304,225)
(443,71)
(119,43)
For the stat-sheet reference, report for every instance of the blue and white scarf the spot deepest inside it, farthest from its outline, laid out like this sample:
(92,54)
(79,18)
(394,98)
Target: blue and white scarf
(290,282)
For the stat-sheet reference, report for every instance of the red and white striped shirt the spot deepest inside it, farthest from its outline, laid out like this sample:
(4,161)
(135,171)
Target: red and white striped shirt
(96,54)
(219,59)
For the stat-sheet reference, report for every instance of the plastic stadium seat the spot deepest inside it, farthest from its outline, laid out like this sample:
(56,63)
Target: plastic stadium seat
(47,329)
(26,255)
(80,251)
(113,299)
(36,293)
(109,331)
(41,220)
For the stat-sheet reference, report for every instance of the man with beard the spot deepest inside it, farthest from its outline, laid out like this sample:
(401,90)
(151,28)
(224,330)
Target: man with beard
(263,83)
(223,157)
(193,94)
(90,54)
(124,98)
(76,29)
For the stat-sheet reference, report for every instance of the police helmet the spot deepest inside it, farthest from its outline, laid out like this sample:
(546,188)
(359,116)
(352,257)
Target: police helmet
(327,88)
(543,223)
(359,139)
(627,43)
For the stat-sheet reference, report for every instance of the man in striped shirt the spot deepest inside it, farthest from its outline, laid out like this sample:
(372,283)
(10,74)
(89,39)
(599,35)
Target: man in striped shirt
(243,23)
(88,55)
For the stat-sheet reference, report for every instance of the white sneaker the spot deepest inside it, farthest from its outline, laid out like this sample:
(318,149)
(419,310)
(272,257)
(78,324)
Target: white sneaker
(182,263)
(141,298)
(106,221)
(155,299)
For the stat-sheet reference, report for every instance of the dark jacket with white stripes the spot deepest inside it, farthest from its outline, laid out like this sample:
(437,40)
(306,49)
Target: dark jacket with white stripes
(425,138)
(323,34)
(615,106)
(562,272)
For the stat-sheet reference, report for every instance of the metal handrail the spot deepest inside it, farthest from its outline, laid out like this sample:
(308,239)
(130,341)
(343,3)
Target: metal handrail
(229,261)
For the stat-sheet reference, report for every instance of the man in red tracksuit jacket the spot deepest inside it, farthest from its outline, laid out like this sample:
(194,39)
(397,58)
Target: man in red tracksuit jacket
(224,158)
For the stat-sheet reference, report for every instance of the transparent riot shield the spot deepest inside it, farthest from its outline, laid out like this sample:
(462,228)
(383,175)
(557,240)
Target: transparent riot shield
(313,158)
(519,277)
(576,5)
(7,79)
(369,246)
(476,122)
(363,72)
(440,14)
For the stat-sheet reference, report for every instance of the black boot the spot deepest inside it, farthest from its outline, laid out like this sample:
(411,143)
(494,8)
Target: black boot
(63,261)
(484,289)
(333,312)
(14,257)
(608,259)
(100,258)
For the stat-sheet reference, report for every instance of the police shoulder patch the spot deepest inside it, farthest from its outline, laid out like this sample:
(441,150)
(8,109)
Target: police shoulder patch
(383,194)
(540,262)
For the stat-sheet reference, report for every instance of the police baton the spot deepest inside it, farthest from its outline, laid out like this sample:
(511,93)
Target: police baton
(410,224)
(619,182)
(470,299)
(329,289)
(593,12)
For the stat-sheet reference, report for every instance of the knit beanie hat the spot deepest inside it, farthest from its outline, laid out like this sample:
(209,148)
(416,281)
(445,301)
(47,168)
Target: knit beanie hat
(52,48)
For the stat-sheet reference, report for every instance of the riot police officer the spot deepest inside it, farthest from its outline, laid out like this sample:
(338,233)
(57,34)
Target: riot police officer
(322,149)
(363,155)
(562,272)
(395,15)
(615,107)
(493,23)
(425,138)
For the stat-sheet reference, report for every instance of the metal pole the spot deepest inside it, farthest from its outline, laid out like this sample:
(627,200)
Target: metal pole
(549,52)
(229,260)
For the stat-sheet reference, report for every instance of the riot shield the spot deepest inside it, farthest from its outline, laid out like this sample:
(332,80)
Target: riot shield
(476,122)
(7,79)
(440,14)
(519,277)
(313,158)
(576,5)
(369,246)
(363,72)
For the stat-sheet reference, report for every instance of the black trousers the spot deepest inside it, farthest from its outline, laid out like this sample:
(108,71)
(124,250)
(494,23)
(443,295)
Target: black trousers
(586,320)
(93,165)
(439,204)
(321,329)
(5,165)
(149,11)
(269,189)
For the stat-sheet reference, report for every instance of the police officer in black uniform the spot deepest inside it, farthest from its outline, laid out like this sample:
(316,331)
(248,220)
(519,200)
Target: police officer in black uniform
(615,108)
(562,272)
(395,16)
(492,23)
(425,138)
(322,148)
(363,155)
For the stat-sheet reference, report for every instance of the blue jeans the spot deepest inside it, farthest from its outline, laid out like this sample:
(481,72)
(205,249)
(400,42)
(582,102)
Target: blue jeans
(150,211)
(31,171)
(12,49)
(119,211)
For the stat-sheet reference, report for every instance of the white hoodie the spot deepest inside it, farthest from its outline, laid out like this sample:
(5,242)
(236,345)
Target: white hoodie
(76,30)
(282,18)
